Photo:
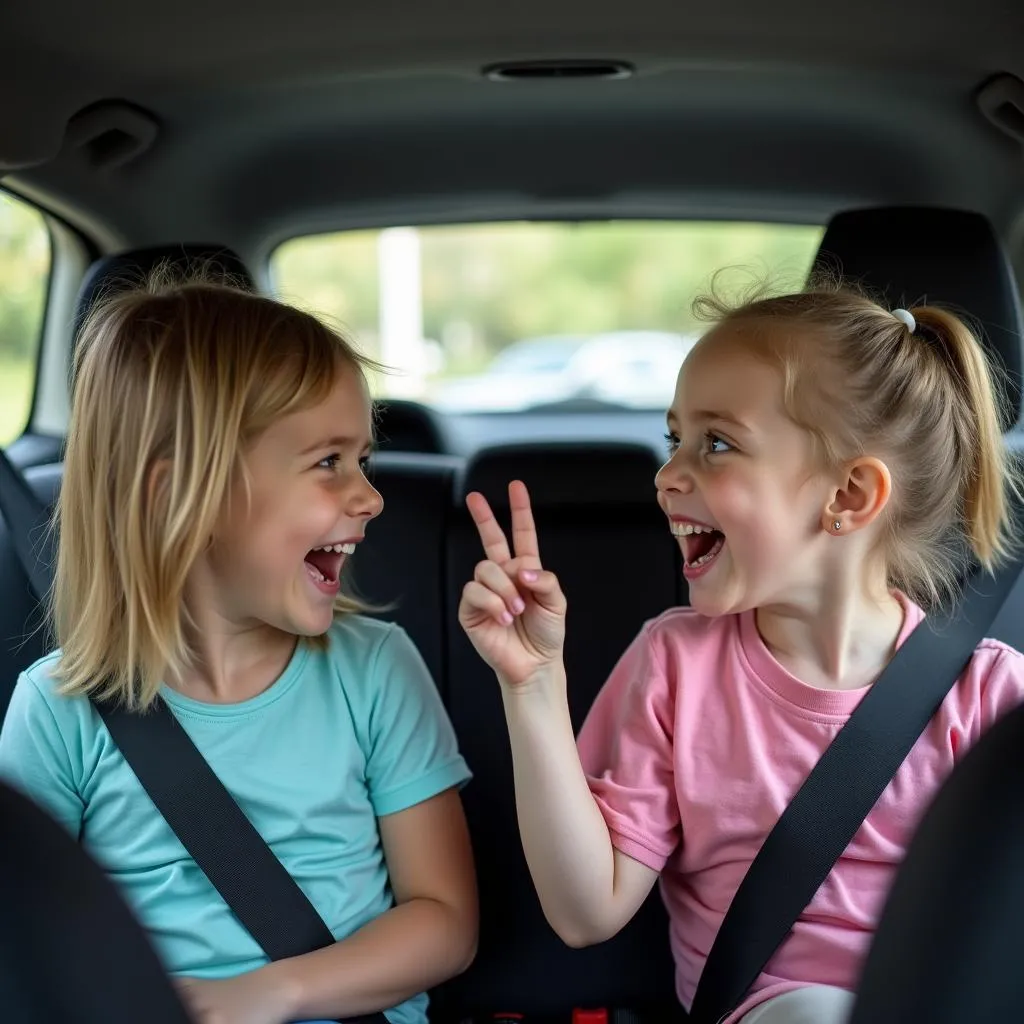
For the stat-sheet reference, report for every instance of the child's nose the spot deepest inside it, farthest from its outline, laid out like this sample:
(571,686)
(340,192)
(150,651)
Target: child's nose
(674,475)
(366,503)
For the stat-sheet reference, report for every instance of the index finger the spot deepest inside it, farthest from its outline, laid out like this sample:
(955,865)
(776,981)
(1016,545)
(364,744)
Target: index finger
(524,531)
(491,534)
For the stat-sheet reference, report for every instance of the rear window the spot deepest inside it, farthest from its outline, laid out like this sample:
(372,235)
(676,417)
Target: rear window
(24,277)
(506,317)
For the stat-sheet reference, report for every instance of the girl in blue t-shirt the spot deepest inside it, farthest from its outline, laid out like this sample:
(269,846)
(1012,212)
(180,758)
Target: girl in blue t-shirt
(213,490)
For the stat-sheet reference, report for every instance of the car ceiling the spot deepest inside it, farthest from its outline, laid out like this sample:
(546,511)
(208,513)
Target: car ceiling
(274,119)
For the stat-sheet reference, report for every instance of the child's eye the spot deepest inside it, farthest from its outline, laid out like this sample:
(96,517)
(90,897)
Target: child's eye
(364,463)
(715,444)
(672,443)
(330,462)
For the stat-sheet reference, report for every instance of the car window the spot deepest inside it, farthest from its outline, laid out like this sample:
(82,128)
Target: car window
(24,278)
(504,317)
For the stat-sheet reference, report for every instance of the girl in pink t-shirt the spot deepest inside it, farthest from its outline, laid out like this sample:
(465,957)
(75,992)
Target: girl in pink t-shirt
(828,459)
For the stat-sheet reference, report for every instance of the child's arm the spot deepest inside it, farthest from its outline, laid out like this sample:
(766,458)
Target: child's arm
(514,614)
(588,889)
(39,733)
(428,937)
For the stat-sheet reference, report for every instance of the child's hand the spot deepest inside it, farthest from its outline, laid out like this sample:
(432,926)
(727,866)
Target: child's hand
(246,999)
(513,611)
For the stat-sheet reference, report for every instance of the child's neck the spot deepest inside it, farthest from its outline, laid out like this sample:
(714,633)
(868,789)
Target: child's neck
(838,638)
(233,663)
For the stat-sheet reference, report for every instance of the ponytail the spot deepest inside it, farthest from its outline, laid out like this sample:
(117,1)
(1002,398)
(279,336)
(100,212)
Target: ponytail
(978,440)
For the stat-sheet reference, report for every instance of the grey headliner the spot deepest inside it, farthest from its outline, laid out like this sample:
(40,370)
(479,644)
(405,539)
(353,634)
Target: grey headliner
(364,113)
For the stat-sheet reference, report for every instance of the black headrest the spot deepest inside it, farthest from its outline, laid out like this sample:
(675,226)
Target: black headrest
(127,269)
(564,474)
(45,481)
(908,255)
(408,427)
(62,896)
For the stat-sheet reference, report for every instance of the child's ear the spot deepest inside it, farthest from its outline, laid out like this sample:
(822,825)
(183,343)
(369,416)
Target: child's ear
(858,501)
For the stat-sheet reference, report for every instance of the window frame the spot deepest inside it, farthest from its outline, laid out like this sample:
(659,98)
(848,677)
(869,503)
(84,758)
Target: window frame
(40,340)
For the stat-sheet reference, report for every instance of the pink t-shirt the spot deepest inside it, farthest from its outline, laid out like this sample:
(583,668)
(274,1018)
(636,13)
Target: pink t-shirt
(700,739)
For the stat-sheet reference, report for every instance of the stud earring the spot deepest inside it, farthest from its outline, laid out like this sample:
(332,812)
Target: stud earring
(837,525)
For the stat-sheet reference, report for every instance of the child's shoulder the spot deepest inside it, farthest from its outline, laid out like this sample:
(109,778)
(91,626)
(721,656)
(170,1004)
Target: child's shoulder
(44,671)
(993,657)
(999,651)
(369,648)
(41,679)
(990,685)
(37,696)
(995,660)
(689,629)
(680,641)
(359,637)
(380,672)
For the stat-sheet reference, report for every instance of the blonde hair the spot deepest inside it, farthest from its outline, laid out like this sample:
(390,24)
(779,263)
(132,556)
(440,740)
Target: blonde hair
(182,374)
(862,383)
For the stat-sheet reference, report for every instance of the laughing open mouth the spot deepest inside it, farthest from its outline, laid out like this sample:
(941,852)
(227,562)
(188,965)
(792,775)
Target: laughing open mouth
(324,563)
(701,544)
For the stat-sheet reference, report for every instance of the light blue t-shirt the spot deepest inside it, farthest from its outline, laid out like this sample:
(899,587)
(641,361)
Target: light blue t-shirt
(343,737)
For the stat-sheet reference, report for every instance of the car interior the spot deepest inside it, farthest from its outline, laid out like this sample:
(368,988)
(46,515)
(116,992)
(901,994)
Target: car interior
(212,134)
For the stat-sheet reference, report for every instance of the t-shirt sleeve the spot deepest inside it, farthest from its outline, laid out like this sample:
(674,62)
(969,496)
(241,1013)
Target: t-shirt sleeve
(627,753)
(413,754)
(1003,687)
(34,756)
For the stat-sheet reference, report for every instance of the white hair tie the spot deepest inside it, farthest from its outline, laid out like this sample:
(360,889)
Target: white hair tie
(906,317)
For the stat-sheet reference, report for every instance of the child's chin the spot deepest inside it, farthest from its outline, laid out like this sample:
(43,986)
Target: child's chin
(315,622)
(320,627)
(709,601)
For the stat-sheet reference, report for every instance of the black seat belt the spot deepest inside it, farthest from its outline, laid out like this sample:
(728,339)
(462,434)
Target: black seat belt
(193,801)
(843,787)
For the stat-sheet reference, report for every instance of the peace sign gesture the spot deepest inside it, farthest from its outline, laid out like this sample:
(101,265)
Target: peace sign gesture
(512,611)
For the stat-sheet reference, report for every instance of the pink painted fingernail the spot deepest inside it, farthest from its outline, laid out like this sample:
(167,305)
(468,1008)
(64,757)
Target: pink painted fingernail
(518,606)
(530,575)
(506,618)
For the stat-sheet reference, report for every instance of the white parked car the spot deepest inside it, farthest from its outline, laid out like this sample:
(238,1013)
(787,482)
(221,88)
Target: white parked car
(634,369)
